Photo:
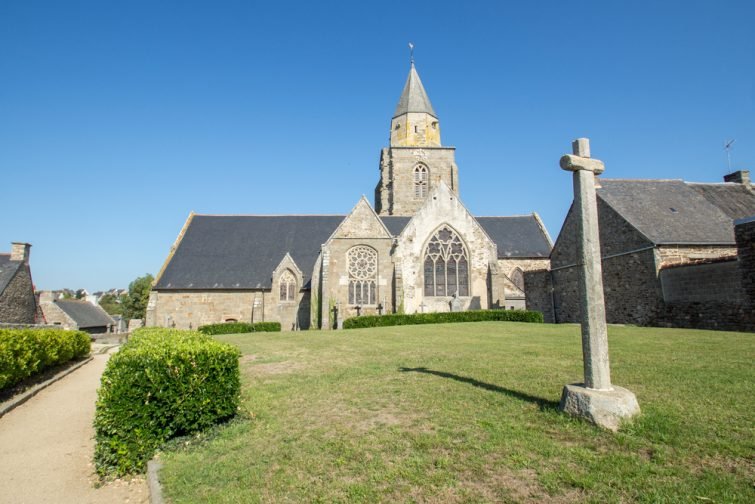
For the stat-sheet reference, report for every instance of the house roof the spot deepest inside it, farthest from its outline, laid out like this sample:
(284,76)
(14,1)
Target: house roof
(85,314)
(8,268)
(678,212)
(413,97)
(517,236)
(241,251)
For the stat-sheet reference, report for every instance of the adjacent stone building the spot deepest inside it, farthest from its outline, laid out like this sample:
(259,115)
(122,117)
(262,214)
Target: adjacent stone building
(17,301)
(75,314)
(669,255)
(414,252)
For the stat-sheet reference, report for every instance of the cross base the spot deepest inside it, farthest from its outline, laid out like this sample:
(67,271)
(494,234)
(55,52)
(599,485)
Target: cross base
(605,408)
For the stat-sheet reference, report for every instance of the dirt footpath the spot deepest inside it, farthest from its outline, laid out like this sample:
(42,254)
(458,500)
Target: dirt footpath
(46,447)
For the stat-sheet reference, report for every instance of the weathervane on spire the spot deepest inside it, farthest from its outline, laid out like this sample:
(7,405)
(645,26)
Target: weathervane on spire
(411,53)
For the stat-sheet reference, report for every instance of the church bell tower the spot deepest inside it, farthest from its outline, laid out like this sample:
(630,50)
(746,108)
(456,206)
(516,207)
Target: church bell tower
(416,161)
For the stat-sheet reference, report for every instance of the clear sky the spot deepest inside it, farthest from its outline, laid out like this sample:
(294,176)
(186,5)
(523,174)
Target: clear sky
(119,118)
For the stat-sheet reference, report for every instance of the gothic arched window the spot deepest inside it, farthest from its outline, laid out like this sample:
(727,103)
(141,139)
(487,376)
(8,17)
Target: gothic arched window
(362,263)
(420,181)
(517,278)
(446,265)
(287,286)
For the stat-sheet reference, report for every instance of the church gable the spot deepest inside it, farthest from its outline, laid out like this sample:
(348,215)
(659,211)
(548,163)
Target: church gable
(362,222)
(443,212)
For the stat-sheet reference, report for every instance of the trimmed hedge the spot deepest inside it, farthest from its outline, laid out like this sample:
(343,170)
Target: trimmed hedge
(240,327)
(442,318)
(163,383)
(25,352)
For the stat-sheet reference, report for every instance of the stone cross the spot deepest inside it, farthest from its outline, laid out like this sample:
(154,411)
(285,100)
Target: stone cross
(594,333)
(596,400)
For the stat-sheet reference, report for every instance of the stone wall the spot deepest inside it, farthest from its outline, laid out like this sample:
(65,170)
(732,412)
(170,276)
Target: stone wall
(744,231)
(702,283)
(191,309)
(394,194)
(673,255)
(537,285)
(513,297)
(630,284)
(18,304)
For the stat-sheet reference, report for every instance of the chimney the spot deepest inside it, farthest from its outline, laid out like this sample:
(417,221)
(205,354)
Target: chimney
(739,177)
(20,252)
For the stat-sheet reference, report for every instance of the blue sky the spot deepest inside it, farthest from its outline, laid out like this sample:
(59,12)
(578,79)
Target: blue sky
(119,118)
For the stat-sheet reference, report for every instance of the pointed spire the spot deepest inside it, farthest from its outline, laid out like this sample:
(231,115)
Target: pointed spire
(413,97)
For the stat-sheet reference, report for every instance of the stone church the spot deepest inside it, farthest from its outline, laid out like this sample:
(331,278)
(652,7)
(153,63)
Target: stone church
(417,250)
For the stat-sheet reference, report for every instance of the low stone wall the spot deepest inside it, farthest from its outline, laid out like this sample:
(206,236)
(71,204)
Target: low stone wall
(717,282)
(4,325)
(719,316)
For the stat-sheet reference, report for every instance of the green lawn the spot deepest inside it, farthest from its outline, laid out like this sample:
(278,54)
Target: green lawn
(468,413)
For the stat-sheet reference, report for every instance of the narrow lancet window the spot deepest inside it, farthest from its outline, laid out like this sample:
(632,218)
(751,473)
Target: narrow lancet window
(420,181)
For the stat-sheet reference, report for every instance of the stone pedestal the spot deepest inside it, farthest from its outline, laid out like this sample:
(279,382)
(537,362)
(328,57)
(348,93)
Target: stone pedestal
(604,408)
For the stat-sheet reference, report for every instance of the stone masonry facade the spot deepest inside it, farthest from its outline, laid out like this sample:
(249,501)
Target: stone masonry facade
(17,302)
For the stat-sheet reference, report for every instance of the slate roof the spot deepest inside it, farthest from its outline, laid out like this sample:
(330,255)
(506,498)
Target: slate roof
(517,236)
(678,212)
(85,314)
(413,97)
(8,268)
(735,200)
(241,251)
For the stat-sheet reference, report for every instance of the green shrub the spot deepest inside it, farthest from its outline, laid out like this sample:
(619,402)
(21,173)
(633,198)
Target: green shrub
(442,318)
(239,327)
(161,384)
(24,352)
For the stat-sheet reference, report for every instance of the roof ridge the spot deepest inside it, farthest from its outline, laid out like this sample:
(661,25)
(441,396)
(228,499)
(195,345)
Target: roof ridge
(502,216)
(270,215)
(640,180)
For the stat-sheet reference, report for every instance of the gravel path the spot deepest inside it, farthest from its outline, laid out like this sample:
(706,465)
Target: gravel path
(46,447)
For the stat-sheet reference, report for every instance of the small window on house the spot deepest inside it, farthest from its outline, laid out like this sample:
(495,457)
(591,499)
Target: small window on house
(398,125)
(228,320)
(435,124)
(416,130)
(420,181)
(287,286)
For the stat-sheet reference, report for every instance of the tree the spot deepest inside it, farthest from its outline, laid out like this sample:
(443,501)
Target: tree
(135,302)
(112,304)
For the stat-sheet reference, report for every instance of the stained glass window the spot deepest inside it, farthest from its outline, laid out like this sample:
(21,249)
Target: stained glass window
(362,265)
(446,265)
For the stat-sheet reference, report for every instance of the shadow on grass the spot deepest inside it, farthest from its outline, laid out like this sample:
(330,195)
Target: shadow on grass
(543,404)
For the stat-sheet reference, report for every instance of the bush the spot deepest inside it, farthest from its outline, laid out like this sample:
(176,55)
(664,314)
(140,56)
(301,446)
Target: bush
(239,327)
(442,318)
(161,384)
(25,352)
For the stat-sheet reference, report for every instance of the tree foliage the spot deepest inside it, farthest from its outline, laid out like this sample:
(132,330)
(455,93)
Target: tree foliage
(135,302)
(112,304)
